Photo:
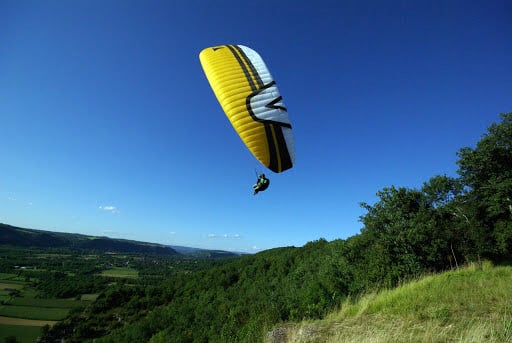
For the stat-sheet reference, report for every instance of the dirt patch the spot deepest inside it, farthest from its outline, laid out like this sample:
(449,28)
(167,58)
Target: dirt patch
(25,322)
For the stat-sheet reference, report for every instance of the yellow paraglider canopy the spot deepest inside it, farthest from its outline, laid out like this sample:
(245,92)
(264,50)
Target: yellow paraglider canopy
(249,96)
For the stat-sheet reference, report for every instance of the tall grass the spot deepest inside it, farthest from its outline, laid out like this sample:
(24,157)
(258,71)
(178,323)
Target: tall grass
(470,305)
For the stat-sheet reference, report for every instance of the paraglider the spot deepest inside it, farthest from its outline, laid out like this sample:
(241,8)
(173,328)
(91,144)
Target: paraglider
(261,184)
(251,100)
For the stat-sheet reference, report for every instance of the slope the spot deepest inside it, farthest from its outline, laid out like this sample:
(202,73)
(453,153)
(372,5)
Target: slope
(470,305)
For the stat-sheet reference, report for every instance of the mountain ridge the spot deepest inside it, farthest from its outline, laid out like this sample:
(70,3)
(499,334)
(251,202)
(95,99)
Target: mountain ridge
(27,237)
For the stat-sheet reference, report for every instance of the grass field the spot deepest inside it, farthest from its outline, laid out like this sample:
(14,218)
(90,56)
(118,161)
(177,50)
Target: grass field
(469,305)
(12,285)
(6,276)
(46,303)
(89,297)
(25,322)
(33,312)
(120,272)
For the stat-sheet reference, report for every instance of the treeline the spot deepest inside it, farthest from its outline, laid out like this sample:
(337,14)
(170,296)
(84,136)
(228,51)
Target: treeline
(408,232)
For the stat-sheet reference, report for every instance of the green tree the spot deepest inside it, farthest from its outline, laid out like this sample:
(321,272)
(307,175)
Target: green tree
(486,171)
(394,222)
(449,225)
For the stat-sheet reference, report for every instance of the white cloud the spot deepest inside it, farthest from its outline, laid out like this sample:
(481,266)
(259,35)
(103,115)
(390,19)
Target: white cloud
(111,209)
(225,235)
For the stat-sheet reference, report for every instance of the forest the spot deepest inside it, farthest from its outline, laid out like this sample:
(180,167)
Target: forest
(444,224)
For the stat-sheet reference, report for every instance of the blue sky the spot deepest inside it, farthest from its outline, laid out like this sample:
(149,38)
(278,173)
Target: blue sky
(109,126)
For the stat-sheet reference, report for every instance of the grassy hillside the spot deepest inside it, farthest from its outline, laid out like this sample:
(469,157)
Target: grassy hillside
(470,305)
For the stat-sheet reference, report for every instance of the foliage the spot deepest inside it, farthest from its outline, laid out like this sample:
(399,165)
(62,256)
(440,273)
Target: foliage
(448,222)
(62,285)
(17,333)
(486,171)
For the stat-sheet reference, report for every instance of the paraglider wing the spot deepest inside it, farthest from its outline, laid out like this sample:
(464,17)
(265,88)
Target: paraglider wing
(249,96)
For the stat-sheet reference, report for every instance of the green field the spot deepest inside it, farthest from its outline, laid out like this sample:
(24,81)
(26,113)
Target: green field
(22,316)
(6,276)
(89,297)
(46,303)
(33,312)
(4,286)
(121,272)
(23,334)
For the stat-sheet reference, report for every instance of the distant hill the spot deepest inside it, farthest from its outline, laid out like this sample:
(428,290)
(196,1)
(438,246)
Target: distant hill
(204,253)
(22,237)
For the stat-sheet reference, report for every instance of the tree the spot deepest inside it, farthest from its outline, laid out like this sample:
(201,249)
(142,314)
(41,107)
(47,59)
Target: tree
(486,171)
(450,224)
(399,227)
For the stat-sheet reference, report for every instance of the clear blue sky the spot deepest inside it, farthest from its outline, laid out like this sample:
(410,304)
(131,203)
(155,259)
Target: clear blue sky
(108,125)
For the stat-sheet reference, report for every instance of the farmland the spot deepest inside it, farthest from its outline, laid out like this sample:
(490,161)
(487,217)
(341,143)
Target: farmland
(39,288)
(23,314)
(42,287)
(120,272)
